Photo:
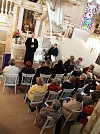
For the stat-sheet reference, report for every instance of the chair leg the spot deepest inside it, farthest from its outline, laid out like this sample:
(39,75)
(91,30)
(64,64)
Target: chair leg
(3,89)
(64,124)
(28,110)
(35,120)
(54,130)
(41,131)
(15,89)
(25,98)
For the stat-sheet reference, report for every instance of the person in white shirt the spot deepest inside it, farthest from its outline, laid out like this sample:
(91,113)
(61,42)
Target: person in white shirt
(11,68)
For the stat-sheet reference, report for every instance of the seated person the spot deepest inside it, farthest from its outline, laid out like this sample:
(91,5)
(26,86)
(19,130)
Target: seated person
(67,64)
(55,85)
(39,87)
(98,91)
(27,70)
(52,51)
(58,69)
(90,68)
(53,111)
(44,70)
(79,82)
(69,84)
(74,104)
(89,100)
(87,111)
(78,64)
(89,78)
(11,69)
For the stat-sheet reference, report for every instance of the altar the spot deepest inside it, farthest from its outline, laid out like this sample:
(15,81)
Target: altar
(18,53)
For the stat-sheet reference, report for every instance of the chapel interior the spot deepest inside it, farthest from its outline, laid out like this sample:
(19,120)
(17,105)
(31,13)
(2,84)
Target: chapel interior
(50,20)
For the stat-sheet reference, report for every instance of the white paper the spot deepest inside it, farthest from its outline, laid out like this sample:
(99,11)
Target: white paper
(52,58)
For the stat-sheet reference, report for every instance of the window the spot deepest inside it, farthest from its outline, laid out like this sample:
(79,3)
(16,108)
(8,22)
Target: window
(87,19)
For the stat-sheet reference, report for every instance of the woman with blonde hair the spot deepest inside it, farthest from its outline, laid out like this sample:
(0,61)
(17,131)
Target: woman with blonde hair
(39,87)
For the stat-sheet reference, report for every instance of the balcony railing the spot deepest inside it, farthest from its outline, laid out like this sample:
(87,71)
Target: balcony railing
(6,6)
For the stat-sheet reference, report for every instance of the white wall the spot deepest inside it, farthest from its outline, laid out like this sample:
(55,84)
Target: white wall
(77,46)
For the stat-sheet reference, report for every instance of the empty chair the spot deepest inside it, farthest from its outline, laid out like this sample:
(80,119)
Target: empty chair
(37,99)
(52,95)
(27,79)
(72,117)
(10,80)
(65,93)
(45,78)
(50,122)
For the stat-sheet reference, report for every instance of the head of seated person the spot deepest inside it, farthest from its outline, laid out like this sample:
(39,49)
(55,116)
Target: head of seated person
(56,104)
(93,95)
(71,79)
(48,63)
(12,62)
(91,67)
(55,85)
(83,77)
(80,60)
(89,75)
(72,58)
(28,64)
(60,63)
(56,81)
(41,63)
(79,97)
(39,81)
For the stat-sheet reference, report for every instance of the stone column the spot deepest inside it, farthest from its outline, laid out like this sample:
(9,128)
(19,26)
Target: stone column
(37,26)
(16,16)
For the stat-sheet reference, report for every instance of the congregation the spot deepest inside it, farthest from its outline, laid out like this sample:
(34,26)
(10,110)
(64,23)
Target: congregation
(69,75)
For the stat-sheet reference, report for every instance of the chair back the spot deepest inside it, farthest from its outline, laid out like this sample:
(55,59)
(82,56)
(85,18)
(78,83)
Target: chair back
(79,90)
(27,79)
(52,95)
(10,79)
(66,93)
(38,98)
(60,76)
(50,122)
(74,114)
(45,78)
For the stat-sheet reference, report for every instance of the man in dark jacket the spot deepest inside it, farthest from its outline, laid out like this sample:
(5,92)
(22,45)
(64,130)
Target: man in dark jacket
(52,51)
(31,46)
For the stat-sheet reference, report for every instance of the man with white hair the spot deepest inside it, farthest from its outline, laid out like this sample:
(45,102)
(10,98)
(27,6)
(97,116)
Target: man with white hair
(11,69)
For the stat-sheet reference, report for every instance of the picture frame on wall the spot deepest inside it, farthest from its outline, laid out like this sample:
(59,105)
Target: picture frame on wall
(69,31)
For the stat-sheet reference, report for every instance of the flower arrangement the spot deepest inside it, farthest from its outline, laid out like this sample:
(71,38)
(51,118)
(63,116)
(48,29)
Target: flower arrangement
(16,34)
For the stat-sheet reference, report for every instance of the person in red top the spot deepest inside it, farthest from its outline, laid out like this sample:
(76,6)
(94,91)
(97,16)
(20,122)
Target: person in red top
(55,85)
(88,111)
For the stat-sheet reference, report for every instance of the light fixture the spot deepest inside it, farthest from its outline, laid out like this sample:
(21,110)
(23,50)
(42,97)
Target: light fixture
(93,44)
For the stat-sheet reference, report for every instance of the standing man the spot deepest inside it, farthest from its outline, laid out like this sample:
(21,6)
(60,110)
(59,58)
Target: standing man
(31,46)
